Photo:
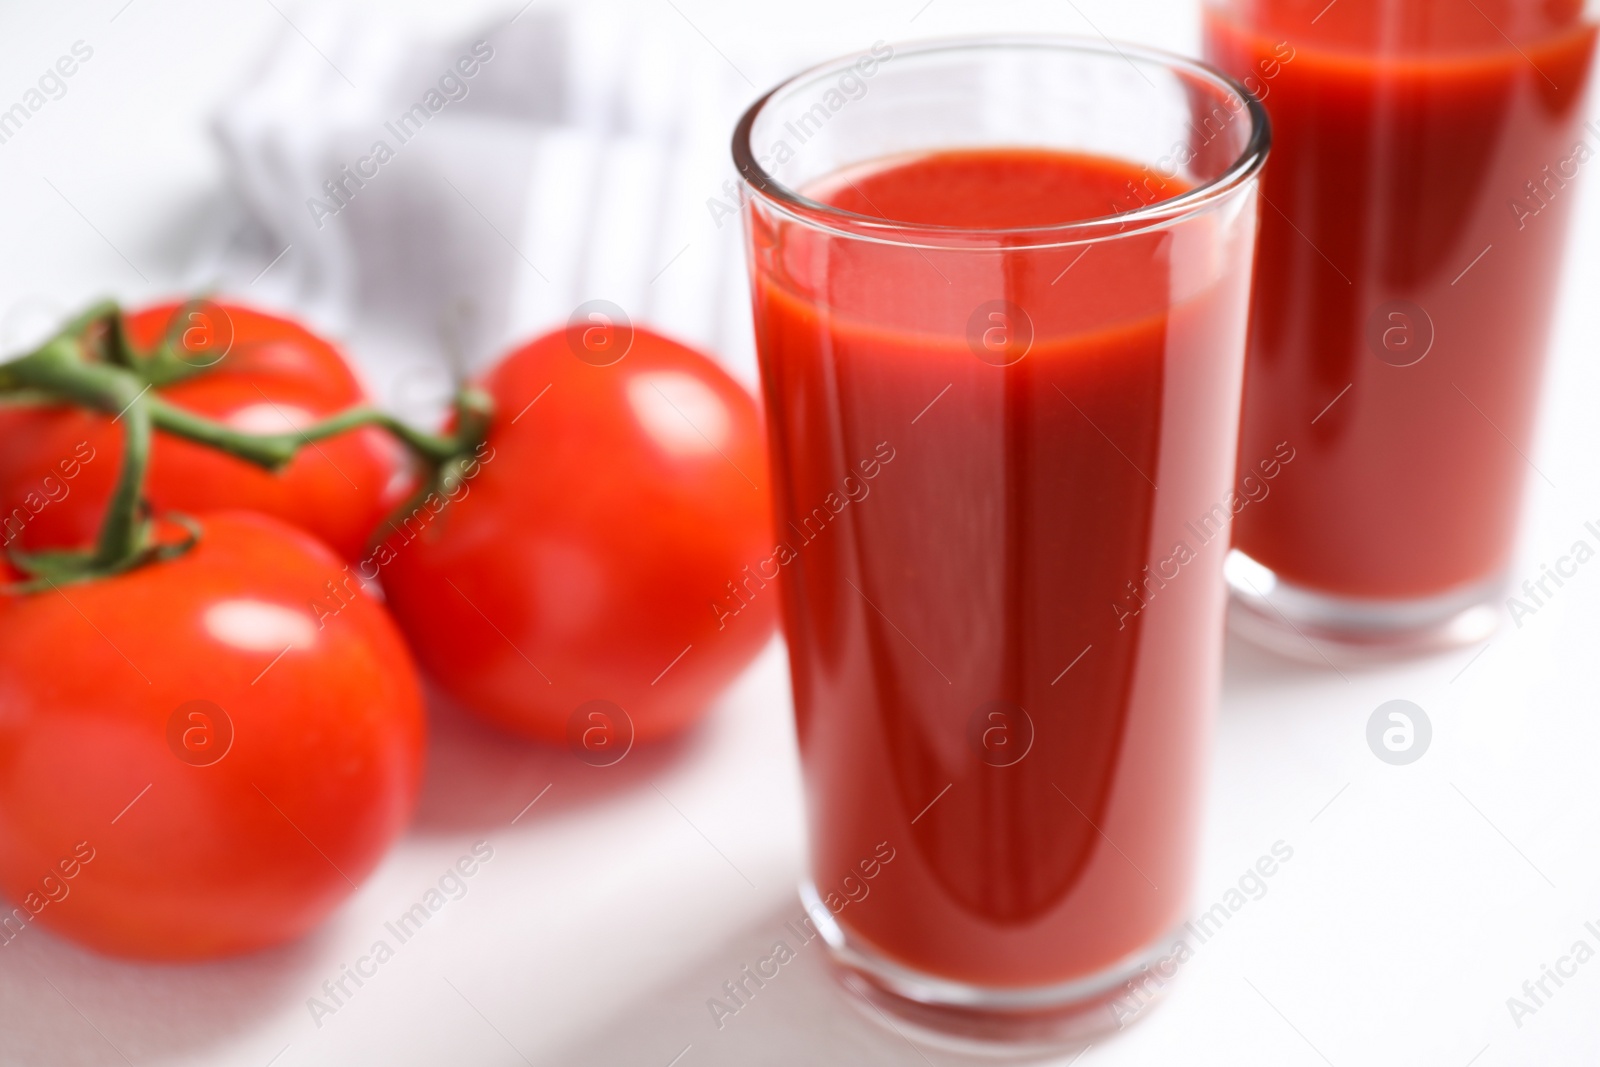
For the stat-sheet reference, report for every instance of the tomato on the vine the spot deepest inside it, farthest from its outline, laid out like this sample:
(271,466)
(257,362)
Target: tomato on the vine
(257,373)
(591,553)
(194,760)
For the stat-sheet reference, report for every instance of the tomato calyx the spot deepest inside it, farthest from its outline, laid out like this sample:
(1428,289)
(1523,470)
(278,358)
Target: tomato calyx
(53,568)
(91,363)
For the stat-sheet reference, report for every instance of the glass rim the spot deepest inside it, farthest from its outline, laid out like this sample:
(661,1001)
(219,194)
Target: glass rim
(791,202)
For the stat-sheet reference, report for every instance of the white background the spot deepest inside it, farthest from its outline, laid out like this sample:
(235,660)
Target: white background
(1418,898)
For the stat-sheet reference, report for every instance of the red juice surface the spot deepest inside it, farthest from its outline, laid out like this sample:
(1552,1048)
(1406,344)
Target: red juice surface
(1003,660)
(1422,174)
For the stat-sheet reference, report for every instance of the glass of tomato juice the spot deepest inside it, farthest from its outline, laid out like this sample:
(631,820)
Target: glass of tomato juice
(1411,239)
(1000,291)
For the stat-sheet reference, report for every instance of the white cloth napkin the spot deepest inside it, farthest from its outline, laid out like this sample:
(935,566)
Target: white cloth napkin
(434,202)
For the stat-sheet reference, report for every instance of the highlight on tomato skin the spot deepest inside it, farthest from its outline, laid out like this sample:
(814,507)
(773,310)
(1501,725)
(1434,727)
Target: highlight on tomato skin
(193,764)
(256,372)
(593,548)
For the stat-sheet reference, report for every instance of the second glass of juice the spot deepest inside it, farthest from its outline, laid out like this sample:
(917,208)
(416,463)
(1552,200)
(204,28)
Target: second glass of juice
(1414,216)
(1000,293)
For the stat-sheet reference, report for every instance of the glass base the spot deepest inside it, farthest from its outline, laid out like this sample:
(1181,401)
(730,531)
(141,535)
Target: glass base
(990,1021)
(1320,628)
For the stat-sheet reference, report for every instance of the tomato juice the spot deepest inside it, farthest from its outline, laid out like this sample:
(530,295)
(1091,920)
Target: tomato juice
(1417,200)
(1004,657)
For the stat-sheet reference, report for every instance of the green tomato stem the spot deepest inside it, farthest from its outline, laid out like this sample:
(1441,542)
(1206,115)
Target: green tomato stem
(102,371)
(58,370)
(273,451)
(122,530)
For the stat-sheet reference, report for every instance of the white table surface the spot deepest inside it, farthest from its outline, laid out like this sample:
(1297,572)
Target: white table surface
(1418,899)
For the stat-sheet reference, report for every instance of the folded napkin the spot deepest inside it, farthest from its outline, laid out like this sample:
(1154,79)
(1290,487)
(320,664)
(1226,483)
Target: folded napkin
(431,202)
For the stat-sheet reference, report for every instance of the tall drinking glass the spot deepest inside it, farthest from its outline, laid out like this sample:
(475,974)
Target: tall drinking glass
(1416,209)
(1000,293)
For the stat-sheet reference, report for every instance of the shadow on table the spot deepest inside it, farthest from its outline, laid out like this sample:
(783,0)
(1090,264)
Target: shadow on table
(479,776)
(799,1017)
(60,1004)
(1248,668)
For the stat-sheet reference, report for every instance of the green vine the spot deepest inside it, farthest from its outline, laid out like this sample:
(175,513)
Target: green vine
(91,363)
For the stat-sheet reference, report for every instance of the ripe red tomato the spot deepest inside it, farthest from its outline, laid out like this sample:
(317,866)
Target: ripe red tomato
(587,553)
(189,766)
(60,462)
